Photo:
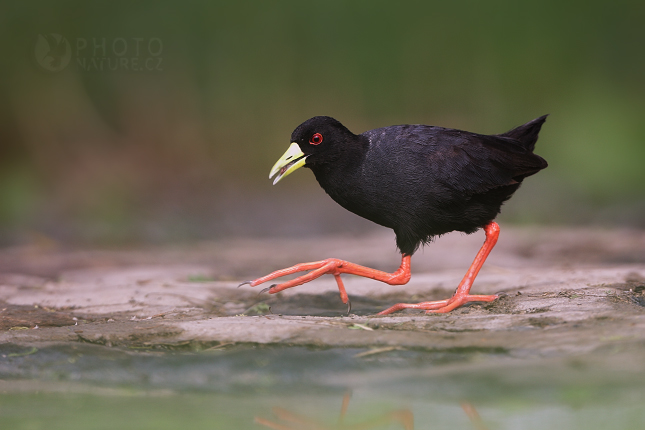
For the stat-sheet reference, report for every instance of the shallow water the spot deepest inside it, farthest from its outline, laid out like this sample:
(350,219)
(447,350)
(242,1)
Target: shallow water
(280,387)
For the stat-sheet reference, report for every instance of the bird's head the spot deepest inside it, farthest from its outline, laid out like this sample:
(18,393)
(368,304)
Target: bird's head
(318,140)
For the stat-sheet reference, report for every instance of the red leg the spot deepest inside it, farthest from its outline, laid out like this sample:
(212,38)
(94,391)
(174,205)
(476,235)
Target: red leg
(334,267)
(461,295)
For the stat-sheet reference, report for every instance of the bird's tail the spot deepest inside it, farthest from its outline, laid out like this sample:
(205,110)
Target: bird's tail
(527,134)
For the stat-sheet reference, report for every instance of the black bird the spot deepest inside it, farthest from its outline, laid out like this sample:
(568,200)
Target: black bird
(421,181)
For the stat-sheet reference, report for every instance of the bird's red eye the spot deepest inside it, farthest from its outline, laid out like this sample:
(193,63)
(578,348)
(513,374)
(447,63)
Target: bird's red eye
(316,139)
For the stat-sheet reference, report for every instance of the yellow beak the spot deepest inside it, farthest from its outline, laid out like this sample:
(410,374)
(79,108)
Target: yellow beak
(291,160)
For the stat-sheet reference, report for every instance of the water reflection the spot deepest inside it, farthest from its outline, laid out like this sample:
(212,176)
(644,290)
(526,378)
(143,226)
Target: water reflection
(294,421)
(474,417)
(295,388)
(285,419)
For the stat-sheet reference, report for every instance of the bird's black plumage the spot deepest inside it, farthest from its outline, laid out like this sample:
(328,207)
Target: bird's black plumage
(421,181)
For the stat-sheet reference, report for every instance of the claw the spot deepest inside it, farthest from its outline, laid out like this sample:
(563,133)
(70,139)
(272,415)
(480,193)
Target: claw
(245,283)
(349,307)
(265,290)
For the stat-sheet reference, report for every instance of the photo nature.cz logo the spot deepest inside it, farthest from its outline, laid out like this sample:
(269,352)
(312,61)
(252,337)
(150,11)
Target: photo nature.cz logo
(53,53)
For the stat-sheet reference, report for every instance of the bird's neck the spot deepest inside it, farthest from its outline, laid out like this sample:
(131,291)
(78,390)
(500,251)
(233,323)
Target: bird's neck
(342,179)
(344,164)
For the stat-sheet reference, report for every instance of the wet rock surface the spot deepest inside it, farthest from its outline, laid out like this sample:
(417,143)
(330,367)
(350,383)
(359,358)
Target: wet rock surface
(565,292)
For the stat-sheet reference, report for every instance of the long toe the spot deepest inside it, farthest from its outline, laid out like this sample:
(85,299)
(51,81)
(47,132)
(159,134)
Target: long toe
(458,301)
(440,306)
(423,306)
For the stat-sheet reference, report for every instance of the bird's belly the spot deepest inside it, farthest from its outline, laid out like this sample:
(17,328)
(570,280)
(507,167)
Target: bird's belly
(384,205)
(425,211)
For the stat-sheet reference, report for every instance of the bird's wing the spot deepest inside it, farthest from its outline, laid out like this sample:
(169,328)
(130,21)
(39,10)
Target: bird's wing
(473,163)
(445,160)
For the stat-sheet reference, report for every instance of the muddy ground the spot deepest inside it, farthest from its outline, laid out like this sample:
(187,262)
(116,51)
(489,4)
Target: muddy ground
(566,291)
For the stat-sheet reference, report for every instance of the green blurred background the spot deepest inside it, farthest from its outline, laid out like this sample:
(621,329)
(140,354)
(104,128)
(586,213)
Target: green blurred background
(181,150)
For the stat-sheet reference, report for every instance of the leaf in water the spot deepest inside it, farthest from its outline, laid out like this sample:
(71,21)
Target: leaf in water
(357,326)
(33,350)
(377,351)
(260,308)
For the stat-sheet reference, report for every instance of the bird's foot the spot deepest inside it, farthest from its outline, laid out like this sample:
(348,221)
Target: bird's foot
(333,266)
(318,268)
(441,306)
(461,295)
